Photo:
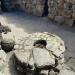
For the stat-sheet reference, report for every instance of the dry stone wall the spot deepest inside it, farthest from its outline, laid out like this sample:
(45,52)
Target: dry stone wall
(62,11)
(35,7)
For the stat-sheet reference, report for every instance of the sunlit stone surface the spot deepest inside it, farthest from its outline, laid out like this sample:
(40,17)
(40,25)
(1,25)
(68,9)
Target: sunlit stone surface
(40,51)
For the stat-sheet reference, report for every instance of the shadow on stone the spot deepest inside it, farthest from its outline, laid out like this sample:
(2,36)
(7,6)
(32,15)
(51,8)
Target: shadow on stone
(12,66)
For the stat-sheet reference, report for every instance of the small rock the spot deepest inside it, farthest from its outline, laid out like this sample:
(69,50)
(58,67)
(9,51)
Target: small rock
(7,42)
(52,73)
(44,72)
(43,58)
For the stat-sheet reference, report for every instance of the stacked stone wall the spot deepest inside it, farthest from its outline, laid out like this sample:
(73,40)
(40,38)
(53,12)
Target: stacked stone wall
(60,11)
(35,7)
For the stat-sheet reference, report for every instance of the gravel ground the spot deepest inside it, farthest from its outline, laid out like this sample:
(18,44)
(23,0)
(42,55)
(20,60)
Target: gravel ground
(20,22)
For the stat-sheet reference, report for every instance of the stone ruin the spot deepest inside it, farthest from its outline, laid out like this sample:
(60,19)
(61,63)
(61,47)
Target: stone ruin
(60,11)
(35,7)
(34,54)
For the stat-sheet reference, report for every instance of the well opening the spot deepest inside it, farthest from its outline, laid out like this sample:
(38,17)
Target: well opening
(40,43)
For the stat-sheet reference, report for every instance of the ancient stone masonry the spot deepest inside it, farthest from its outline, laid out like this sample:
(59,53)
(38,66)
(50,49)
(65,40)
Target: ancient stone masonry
(35,7)
(62,11)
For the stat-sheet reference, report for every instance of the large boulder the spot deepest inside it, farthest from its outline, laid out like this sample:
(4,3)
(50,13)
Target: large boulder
(41,53)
